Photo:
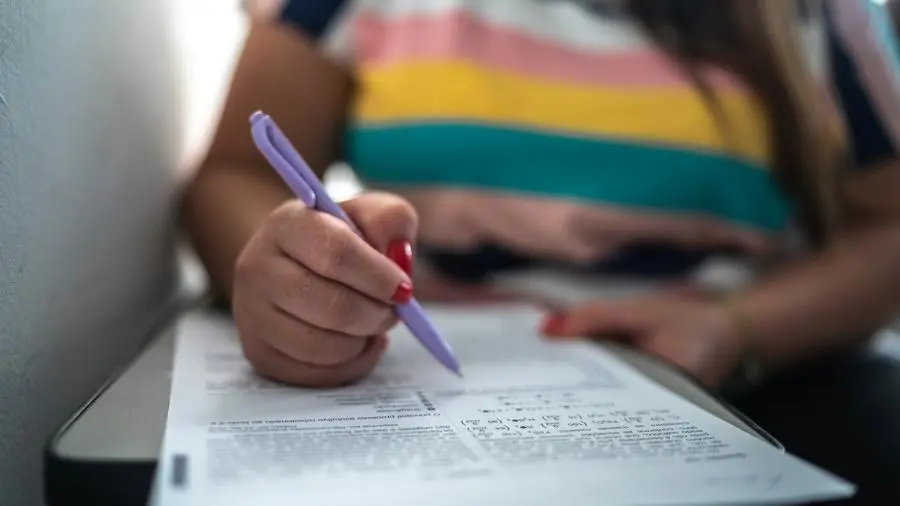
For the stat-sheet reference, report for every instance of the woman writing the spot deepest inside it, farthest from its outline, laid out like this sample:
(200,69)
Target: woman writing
(635,136)
(638,136)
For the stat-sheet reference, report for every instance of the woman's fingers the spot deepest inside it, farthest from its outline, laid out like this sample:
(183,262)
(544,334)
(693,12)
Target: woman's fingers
(271,363)
(322,302)
(329,248)
(295,338)
(598,319)
(309,293)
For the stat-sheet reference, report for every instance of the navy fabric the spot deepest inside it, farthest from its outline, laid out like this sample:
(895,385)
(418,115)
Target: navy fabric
(868,137)
(311,16)
(646,261)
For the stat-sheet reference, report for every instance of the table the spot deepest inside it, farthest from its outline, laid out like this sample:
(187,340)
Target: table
(843,415)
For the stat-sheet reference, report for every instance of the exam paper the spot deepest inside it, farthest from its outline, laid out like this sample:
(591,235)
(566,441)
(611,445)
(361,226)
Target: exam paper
(531,423)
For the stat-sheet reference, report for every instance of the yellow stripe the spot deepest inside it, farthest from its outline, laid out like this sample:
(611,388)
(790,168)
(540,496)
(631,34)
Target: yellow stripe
(458,91)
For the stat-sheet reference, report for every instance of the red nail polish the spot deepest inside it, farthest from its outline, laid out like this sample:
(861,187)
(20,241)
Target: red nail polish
(403,293)
(400,252)
(553,324)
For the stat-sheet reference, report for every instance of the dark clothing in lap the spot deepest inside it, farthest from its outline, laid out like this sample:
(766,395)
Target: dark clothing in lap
(844,416)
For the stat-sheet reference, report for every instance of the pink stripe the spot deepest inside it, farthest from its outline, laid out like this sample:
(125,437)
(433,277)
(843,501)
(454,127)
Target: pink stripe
(859,38)
(460,36)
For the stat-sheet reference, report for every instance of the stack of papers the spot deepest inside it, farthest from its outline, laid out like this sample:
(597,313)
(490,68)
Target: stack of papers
(532,423)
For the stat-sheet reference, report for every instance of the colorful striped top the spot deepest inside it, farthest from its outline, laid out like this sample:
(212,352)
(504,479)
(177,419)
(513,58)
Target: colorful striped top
(555,129)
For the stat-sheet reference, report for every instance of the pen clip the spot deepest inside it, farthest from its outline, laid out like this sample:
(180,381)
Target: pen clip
(274,146)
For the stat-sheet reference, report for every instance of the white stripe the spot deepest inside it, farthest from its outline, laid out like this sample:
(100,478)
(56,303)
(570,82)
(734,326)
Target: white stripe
(337,42)
(860,39)
(563,23)
(560,22)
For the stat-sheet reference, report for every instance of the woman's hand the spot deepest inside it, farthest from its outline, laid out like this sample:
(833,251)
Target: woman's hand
(687,329)
(561,229)
(312,301)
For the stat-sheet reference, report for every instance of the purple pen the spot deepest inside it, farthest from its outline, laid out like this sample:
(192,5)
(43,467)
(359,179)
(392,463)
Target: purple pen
(275,146)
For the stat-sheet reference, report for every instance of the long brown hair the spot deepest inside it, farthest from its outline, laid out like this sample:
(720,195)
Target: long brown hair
(758,41)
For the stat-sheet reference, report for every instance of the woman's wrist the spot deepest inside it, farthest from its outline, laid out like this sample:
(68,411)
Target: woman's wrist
(748,371)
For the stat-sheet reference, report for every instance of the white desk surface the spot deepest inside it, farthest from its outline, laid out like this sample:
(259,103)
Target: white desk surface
(127,421)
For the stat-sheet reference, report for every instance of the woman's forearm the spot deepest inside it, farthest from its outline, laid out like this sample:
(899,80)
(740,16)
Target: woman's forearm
(282,72)
(831,301)
(222,208)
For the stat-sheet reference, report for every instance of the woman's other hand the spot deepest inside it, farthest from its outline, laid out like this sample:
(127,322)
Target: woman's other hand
(564,230)
(684,328)
(312,300)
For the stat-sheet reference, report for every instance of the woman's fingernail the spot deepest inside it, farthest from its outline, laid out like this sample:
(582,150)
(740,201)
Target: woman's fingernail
(403,294)
(554,324)
(400,252)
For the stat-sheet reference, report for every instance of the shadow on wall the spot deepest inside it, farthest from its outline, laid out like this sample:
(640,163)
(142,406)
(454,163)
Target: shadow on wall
(89,116)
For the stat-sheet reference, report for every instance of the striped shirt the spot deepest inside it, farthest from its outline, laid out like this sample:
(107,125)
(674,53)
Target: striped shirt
(526,129)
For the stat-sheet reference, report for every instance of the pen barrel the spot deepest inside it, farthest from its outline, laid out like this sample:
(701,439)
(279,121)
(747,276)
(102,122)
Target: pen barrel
(413,316)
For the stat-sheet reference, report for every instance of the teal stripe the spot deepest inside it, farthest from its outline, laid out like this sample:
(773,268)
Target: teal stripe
(584,169)
(884,30)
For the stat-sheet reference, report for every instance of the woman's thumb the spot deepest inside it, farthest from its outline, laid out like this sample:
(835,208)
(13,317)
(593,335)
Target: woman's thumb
(388,222)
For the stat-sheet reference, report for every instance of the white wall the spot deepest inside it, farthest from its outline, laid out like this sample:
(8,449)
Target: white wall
(104,106)
(208,34)
(90,134)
